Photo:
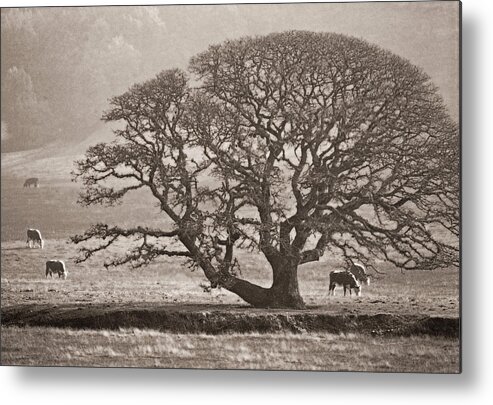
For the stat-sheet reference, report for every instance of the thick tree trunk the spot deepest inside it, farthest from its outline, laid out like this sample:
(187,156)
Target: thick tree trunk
(284,292)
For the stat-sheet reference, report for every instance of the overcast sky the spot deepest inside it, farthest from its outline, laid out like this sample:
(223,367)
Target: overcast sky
(426,33)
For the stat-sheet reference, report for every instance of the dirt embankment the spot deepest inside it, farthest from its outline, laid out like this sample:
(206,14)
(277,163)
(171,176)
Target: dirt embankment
(222,319)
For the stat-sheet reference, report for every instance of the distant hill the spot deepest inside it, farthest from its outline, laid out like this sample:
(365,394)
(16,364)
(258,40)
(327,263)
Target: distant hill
(53,162)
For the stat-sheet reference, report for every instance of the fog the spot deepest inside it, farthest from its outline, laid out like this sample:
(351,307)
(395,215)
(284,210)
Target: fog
(61,65)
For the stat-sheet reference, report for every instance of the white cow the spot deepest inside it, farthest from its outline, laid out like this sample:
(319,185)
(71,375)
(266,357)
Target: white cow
(56,266)
(34,237)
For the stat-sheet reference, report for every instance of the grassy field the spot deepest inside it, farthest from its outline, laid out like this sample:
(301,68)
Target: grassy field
(170,281)
(146,348)
(53,209)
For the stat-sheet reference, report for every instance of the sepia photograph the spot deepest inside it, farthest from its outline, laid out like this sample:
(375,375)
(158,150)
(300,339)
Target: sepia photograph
(232,187)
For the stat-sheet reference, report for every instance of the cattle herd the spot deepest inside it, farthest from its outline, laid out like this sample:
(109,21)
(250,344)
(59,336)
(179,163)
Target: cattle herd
(351,279)
(34,239)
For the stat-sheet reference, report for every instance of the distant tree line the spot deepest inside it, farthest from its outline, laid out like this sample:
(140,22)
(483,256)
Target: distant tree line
(61,65)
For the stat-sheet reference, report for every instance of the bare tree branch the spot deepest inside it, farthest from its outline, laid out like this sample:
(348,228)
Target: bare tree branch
(292,144)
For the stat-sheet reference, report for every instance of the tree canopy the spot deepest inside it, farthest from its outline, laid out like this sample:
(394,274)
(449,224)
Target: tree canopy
(292,144)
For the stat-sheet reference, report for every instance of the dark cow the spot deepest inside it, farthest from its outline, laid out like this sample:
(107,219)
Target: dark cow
(56,267)
(32,181)
(346,280)
(359,271)
(34,238)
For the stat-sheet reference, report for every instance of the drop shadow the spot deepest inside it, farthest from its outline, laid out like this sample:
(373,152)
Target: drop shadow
(470,210)
(237,379)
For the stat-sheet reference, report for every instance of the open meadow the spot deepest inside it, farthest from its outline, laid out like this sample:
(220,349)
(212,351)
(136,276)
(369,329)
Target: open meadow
(279,351)
(36,310)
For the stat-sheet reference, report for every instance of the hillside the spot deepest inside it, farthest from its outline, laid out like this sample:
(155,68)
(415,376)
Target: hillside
(53,206)
(51,163)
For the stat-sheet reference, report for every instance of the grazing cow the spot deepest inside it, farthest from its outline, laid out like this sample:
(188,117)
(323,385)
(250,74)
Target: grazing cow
(56,266)
(34,237)
(346,280)
(31,181)
(359,271)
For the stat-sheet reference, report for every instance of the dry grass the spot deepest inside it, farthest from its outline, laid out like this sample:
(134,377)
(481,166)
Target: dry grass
(170,281)
(53,209)
(144,348)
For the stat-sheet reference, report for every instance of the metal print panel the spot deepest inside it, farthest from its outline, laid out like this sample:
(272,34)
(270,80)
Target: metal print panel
(268,186)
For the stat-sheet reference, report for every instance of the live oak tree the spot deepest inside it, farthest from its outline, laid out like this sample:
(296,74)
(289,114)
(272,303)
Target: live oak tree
(292,144)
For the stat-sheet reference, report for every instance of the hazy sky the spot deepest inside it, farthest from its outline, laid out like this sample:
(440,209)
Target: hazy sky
(426,33)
